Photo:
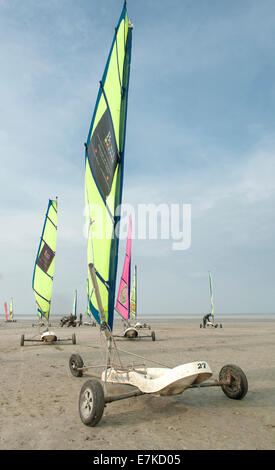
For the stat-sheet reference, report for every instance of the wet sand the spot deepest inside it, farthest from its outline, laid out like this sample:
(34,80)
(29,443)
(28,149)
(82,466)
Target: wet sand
(39,396)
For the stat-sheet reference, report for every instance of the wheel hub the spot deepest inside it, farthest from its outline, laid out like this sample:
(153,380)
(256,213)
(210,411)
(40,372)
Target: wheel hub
(87,403)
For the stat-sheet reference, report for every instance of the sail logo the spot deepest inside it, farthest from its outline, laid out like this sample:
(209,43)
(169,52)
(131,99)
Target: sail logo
(123,295)
(108,145)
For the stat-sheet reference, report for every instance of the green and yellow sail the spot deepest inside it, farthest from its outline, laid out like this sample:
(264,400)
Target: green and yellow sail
(88,313)
(211,293)
(133,296)
(11,308)
(43,273)
(75,304)
(104,168)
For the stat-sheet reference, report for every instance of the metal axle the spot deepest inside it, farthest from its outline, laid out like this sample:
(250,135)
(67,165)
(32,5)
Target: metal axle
(111,398)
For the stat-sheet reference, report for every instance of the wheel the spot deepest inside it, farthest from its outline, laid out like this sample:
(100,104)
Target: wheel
(238,385)
(216,326)
(76,363)
(22,340)
(153,336)
(73,338)
(91,402)
(200,325)
(220,325)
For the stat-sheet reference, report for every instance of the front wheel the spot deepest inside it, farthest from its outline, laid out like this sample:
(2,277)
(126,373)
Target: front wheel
(153,336)
(76,363)
(73,338)
(91,402)
(237,382)
(22,339)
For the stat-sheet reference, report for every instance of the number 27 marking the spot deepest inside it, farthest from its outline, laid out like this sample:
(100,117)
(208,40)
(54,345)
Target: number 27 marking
(201,365)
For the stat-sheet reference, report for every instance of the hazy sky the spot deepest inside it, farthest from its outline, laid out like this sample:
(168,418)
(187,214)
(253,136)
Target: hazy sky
(200,131)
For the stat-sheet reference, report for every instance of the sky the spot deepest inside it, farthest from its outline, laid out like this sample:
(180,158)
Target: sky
(200,131)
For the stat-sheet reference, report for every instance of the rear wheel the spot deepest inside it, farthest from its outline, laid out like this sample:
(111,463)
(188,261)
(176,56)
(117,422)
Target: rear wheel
(76,363)
(91,402)
(73,338)
(22,339)
(237,382)
(153,335)
(220,325)
(200,325)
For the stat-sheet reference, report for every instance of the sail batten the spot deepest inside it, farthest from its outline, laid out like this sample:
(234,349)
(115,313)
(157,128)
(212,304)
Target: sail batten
(43,273)
(104,156)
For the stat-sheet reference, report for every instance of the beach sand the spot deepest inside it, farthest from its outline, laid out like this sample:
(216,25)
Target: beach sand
(39,396)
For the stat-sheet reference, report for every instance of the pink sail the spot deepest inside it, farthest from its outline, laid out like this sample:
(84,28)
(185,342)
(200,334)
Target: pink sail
(6,310)
(123,297)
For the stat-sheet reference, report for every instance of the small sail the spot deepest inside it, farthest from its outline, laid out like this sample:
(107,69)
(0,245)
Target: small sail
(88,313)
(104,158)
(6,310)
(211,293)
(43,273)
(75,304)
(133,296)
(11,308)
(123,297)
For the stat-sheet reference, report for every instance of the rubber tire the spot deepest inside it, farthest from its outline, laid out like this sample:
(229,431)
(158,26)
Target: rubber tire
(220,325)
(92,390)
(73,338)
(22,339)
(200,325)
(153,335)
(76,361)
(239,386)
